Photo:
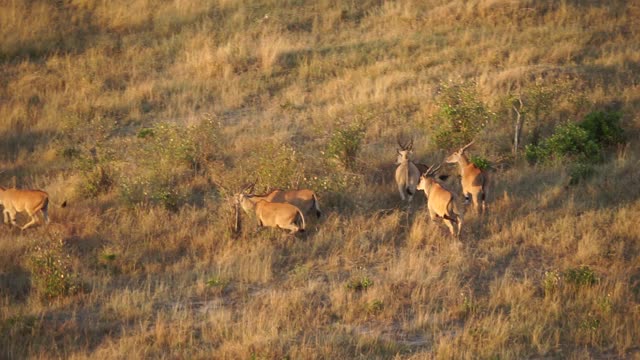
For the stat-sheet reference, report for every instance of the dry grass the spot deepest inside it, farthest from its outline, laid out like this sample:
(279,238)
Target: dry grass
(134,111)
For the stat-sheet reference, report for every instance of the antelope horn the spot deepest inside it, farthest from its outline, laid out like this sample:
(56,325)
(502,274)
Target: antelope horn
(431,170)
(466,146)
(246,187)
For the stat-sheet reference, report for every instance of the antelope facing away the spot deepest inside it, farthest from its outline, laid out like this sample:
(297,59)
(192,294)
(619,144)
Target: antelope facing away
(30,201)
(272,214)
(407,174)
(474,181)
(440,201)
(304,199)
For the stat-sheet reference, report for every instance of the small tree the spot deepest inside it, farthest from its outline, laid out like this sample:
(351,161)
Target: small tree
(346,142)
(462,115)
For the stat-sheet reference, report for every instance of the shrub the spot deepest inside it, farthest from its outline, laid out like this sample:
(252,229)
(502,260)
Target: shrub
(154,188)
(96,181)
(277,166)
(568,141)
(582,142)
(480,162)
(604,127)
(346,142)
(51,270)
(462,115)
(579,171)
(582,276)
(550,282)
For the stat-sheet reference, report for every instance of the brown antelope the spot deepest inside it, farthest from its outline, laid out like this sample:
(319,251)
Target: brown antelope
(474,181)
(304,199)
(440,201)
(272,214)
(407,174)
(30,201)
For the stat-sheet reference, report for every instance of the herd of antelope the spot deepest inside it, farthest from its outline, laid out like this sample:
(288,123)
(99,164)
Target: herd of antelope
(287,209)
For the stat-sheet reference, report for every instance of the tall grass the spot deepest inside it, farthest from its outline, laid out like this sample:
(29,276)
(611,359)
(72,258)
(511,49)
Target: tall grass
(146,116)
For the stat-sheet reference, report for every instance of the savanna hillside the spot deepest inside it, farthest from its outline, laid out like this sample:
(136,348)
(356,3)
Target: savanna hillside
(147,115)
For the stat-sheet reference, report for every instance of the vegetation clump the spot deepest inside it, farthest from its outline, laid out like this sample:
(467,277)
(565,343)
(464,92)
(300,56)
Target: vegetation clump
(580,144)
(461,116)
(346,142)
(52,270)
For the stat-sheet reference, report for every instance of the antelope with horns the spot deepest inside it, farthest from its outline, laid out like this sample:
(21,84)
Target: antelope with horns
(407,174)
(304,199)
(440,201)
(30,201)
(272,214)
(474,181)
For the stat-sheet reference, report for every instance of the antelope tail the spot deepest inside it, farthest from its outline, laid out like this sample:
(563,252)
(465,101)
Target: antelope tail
(317,207)
(62,205)
(301,219)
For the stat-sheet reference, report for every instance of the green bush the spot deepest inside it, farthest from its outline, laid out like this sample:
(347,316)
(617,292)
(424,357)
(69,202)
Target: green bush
(51,270)
(604,127)
(582,276)
(153,188)
(480,162)
(568,141)
(580,171)
(462,115)
(346,142)
(583,141)
(276,166)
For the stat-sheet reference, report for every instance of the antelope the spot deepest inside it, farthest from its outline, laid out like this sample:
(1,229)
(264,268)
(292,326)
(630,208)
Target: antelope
(474,181)
(30,201)
(440,201)
(304,199)
(407,174)
(272,214)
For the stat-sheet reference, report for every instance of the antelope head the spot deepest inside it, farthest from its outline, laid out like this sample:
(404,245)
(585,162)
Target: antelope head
(458,154)
(427,178)
(404,150)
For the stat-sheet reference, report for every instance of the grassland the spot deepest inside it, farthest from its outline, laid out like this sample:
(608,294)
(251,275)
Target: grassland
(146,115)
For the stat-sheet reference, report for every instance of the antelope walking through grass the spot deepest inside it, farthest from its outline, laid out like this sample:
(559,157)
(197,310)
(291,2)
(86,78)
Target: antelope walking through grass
(407,174)
(474,180)
(304,199)
(440,201)
(30,201)
(272,214)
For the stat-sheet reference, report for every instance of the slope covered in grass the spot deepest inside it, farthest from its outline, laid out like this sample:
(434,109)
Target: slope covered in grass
(147,115)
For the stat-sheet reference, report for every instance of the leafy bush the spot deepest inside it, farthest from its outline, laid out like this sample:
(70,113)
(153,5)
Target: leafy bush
(604,127)
(96,181)
(51,270)
(480,162)
(582,276)
(580,171)
(462,115)
(168,155)
(152,188)
(346,142)
(583,141)
(277,166)
(568,141)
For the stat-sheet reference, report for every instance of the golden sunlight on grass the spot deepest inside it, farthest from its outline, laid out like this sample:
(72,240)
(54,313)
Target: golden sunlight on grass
(147,117)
